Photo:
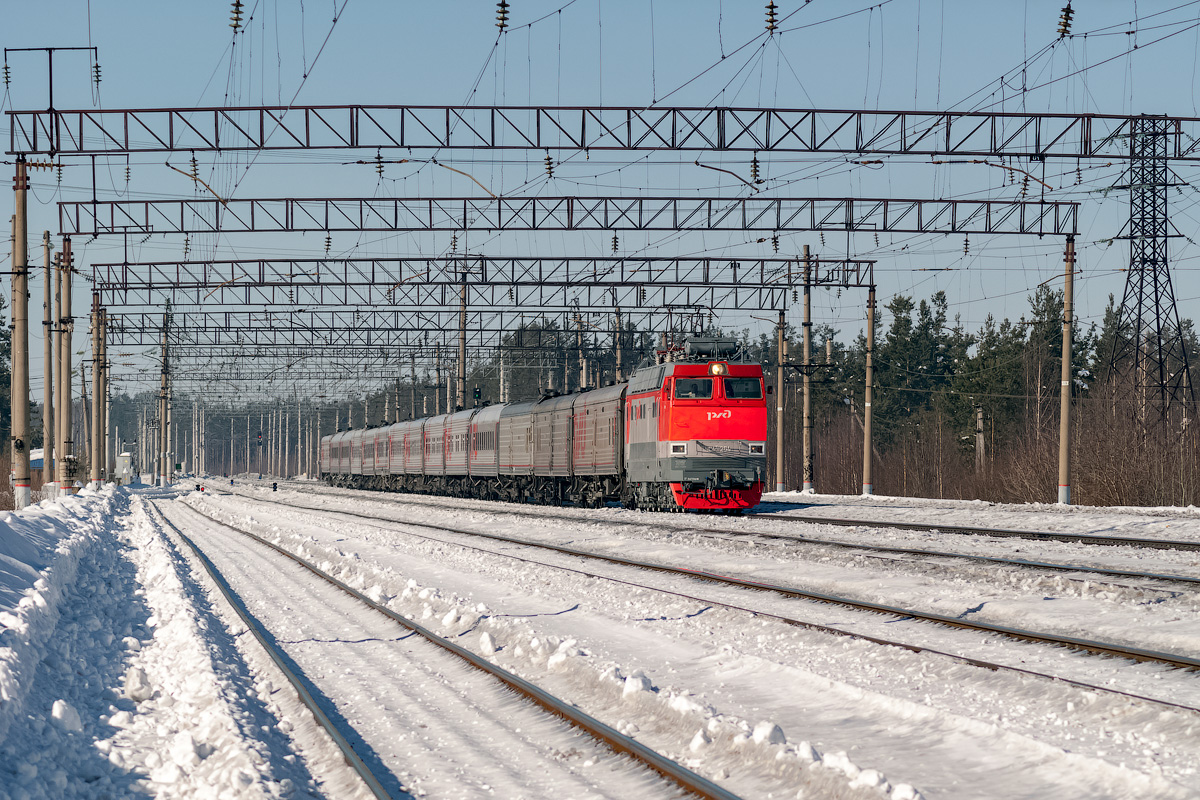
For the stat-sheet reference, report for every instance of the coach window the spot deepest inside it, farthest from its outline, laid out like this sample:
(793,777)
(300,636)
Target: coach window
(743,389)
(693,388)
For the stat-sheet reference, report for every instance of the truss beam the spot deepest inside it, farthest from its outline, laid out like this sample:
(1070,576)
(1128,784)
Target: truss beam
(342,329)
(500,282)
(341,127)
(775,214)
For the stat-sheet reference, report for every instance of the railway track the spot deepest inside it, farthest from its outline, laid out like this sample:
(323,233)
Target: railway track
(687,780)
(669,522)
(1084,645)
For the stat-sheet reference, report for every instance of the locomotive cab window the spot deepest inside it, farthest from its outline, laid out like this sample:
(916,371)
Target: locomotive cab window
(743,389)
(693,388)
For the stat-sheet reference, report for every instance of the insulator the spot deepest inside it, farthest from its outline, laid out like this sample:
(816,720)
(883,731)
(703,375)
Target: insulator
(1078,176)
(771,20)
(822,238)
(795,295)
(1024,186)
(877,239)
(379,163)
(549,165)
(642,294)
(195,167)
(502,15)
(453,242)
(615,242)
(966,245)
(236,17)
(128,172)
(510,294)
(96,73)
(58,171)
(7,75)
(754,168)
(187,246)
(1064,21)
(328,244)
(839,293)
(775,243)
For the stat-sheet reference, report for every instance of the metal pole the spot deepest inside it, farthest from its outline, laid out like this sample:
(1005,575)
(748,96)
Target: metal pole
(1064,417)
(97,440)
(618,341)
(66,324)
(779,356)
(163,442)
(868,393)
(19,396)
(462,344)
(48,374)
(412,362)
(808,424)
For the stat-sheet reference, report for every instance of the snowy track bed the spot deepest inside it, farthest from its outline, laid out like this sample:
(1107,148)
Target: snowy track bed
(916,718)
(426,722)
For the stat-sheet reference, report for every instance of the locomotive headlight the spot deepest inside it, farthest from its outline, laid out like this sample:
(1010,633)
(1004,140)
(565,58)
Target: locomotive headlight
(679,448)
(757,448)
(718,369)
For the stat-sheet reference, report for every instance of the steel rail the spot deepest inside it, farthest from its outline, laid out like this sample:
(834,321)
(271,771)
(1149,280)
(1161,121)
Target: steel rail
(686,779)
(792,621)
(910,551)
(274,653)
(1045,536)
(1085,645)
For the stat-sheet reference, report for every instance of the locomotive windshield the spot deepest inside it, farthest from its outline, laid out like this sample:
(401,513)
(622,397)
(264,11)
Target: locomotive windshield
(693,388)
(743,389)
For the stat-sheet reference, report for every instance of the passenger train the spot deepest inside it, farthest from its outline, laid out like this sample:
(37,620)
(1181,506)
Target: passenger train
(686,434)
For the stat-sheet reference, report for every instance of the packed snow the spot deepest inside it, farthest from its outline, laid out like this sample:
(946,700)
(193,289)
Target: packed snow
(124,673)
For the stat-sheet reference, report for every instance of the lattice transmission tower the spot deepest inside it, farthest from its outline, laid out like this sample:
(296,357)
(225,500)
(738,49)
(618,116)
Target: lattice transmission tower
(1149,359)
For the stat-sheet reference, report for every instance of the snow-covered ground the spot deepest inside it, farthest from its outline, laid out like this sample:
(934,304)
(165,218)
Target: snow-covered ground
(122,672)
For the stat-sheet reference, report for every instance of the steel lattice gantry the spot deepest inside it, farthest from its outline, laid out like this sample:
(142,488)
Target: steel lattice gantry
(498,282)
(340,330)
(765,214)
(920,133)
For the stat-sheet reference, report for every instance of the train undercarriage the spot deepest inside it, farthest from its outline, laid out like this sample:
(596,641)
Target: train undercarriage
(585,491)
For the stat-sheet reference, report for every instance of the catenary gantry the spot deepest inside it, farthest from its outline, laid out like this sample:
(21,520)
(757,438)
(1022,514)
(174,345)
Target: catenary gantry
(467,214)
(704,129)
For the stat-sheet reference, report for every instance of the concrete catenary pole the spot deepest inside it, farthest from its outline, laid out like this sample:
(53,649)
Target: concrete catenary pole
(19,395)
(96,444)
(66,324)
(868,393)
(779,361)
(807,373)
(48,403)
(106,404)
(1064,417)
(980,456)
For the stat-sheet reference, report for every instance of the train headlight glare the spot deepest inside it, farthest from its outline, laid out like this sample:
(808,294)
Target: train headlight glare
(718,369)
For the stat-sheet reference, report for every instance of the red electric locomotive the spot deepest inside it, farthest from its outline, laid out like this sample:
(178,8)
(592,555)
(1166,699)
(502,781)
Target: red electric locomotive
(696,432)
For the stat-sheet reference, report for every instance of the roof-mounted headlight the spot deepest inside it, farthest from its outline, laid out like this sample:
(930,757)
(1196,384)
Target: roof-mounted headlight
(718,369)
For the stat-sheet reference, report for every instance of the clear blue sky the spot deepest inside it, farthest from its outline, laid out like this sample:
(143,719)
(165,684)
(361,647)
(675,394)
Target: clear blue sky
(900,54)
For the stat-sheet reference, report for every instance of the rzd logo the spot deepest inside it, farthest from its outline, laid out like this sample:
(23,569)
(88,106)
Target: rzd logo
(726,414)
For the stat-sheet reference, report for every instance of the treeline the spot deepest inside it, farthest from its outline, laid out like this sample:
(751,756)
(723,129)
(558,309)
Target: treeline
(975,414)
